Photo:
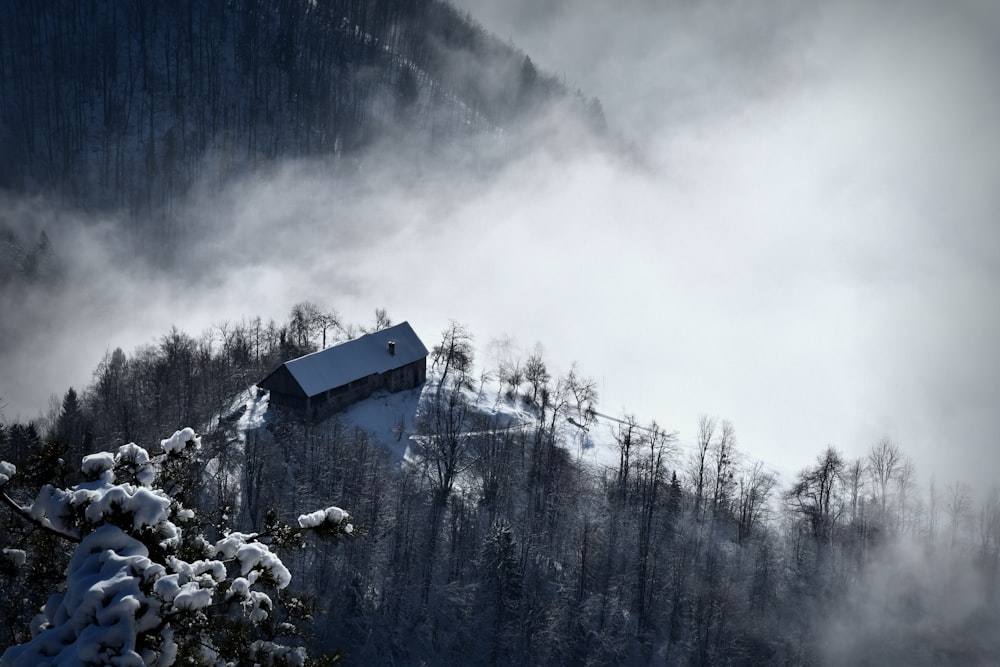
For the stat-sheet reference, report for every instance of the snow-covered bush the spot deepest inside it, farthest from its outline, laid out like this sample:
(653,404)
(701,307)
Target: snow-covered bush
(144,586)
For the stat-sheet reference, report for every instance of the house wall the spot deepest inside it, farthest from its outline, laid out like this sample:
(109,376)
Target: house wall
(323,405)
(407,377)
(282,382)
(288,401)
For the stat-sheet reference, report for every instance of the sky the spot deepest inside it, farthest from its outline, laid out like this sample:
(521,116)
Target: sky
(806,244)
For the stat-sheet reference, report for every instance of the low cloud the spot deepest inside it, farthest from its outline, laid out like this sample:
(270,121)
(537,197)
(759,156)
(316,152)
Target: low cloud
(913,605)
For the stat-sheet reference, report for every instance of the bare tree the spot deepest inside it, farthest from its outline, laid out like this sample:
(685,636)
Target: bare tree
(382,321)
(723,458)
(933,510)
(255,464)
(511,375)
(958,506)
(883,466)
(302,323)
(753,495)
(625,436)
(816,494)
(536,373)
(650,475)
(444,454)
(455,352)
(327,320)
(584,393)
(510,371)
(698,464)
(989,532)
(904,487)
(444,446)
(854,480)
(492,460)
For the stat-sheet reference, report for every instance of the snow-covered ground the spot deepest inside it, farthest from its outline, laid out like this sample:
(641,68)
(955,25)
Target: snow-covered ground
(391,418)
(255,403)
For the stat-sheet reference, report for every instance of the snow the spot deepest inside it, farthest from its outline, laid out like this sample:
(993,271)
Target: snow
(7,470)
(312,520)
(52,508)
(333,515)
(168,649)
(254,416)
(269,653)
(192,596)
(102,611)
(167,587)
(251,406)
(390,418)
(137,459)
(240,588)
(356,359)
(379,416)
(178,441)
(254,555)
(228,545)
(192,585)
(133,453)
(147,508)
(95,464)
(258,604)
(204,570)
(115,592)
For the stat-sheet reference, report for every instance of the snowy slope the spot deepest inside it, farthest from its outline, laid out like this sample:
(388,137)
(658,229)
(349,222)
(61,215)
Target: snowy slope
(391,418)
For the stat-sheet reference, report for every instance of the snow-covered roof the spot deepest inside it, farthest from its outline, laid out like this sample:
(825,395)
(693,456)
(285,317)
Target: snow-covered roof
(355,359)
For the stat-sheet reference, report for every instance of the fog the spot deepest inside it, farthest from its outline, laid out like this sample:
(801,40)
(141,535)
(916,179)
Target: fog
(806,244)
(913,605)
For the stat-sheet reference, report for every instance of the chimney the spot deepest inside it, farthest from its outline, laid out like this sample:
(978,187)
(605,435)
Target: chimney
(392,347)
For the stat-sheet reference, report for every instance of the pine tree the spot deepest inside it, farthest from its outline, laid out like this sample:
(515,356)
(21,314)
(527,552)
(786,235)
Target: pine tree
(145,585)
(72,426)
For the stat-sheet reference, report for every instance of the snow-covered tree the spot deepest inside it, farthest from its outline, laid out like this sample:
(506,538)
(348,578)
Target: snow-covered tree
(145,586)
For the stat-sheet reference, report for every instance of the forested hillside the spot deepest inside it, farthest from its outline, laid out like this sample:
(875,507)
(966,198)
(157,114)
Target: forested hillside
(496,542)
(124,105)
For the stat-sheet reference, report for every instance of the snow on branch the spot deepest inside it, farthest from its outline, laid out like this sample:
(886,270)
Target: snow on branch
(7,470)
(331,517)
(130,597)
(180,440)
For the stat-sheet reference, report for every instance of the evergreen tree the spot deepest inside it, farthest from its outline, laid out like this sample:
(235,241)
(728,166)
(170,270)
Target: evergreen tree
(72,426)
(145,583)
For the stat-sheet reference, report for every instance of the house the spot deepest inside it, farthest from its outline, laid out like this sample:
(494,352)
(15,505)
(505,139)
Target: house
(324,382)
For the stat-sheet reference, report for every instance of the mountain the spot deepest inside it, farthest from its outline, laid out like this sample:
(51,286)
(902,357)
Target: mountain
(124,105)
